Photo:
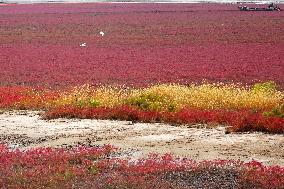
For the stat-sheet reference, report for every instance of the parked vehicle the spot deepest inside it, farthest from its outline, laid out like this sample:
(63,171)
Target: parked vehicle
(271,7)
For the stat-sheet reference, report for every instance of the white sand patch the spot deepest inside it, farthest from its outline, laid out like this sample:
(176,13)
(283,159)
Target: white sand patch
(161,137)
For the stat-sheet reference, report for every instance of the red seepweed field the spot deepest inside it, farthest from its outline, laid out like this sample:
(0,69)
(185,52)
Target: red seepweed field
(205,64)
(143,44)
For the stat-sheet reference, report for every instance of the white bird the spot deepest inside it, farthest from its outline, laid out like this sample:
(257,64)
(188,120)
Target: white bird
(83,45)
(102,33)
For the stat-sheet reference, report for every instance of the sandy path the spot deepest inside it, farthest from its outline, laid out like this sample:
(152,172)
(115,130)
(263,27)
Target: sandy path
(26,130)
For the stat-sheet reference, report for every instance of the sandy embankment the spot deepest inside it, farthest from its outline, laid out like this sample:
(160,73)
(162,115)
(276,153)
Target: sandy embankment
(27,130)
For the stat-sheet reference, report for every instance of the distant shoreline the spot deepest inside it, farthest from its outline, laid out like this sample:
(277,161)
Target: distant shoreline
(137,2)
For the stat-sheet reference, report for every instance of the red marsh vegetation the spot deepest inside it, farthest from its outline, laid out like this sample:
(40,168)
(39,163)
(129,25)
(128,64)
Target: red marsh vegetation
(143,44)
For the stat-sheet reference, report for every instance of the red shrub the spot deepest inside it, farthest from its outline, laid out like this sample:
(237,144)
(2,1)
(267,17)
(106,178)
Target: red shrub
(259,176)
(240,121)
(248,121)
(10,95)
(91,167)
(47,167)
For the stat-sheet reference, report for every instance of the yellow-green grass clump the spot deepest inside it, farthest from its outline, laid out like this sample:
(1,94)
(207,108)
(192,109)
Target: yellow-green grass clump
(173,97)
(88,96)
(205,96)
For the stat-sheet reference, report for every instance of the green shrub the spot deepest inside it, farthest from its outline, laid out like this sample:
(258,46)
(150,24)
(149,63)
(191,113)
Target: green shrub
(275,112)
(269,86)
(152,101)
(87,103)
(94,103)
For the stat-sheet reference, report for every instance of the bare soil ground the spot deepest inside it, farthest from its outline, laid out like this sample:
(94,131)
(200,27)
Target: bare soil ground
(26,129)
